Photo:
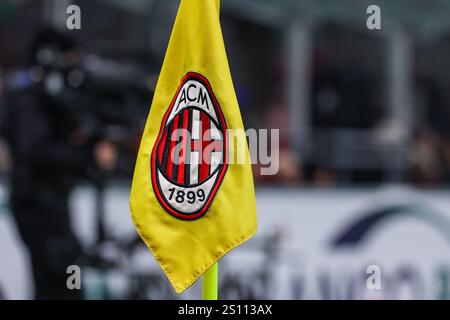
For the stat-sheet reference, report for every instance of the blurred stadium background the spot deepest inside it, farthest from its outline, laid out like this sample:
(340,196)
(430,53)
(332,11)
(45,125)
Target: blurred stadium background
(365,150)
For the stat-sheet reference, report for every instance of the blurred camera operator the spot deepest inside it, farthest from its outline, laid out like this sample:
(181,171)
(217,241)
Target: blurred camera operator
(49,153)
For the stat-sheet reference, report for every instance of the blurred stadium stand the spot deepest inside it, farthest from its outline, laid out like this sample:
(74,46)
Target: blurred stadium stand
(368,97)
(358,109)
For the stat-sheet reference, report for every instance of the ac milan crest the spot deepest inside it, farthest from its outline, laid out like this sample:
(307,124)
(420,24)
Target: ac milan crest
(189,156)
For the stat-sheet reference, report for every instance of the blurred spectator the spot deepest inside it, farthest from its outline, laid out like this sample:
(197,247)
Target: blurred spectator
(290,169)
(427,162)
(324,178)
(39,129)
(289,161)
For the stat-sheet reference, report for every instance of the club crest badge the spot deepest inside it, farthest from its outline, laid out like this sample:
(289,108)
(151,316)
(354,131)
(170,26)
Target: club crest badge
(188,161)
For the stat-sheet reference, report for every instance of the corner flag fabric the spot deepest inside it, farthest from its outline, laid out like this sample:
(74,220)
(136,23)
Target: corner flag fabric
(189,203)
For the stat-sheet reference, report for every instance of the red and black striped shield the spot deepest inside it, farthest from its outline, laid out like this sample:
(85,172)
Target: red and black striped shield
(189,156)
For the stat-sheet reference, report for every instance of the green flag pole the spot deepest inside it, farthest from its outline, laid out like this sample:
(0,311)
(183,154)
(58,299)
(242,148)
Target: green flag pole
(210,283)
(211,277)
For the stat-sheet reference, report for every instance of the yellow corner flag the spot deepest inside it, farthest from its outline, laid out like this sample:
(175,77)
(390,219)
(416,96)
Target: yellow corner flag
(189,202)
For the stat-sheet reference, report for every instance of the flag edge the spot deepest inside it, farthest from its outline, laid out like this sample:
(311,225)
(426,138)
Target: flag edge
(181,288)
